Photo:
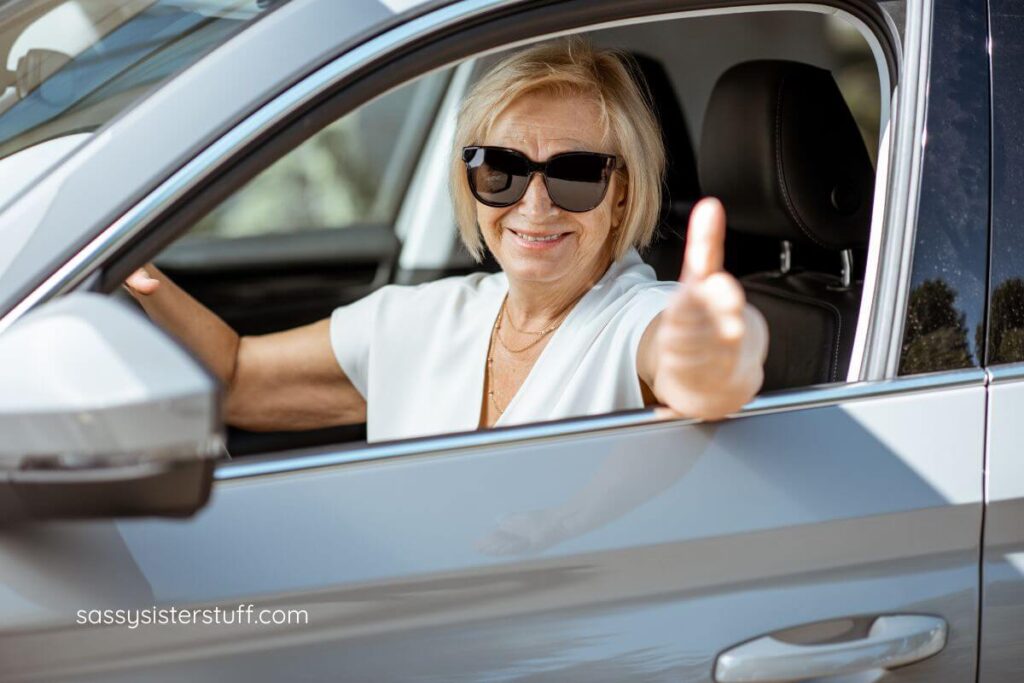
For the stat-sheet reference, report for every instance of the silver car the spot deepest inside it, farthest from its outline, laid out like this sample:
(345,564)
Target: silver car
(861,520)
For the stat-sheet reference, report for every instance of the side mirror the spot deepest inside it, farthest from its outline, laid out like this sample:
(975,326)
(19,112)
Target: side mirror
(102,415)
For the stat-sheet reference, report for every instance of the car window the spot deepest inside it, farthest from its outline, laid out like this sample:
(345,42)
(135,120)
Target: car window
(314,230)
(1006,288)
(944,324)
(353,172)
(73,65)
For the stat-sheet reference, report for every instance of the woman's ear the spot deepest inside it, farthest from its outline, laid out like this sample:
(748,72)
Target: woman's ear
(619,200)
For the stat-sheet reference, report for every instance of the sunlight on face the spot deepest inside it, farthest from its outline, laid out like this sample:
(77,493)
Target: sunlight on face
(541,125)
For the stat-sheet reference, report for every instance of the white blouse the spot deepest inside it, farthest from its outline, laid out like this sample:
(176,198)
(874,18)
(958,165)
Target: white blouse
(417,353)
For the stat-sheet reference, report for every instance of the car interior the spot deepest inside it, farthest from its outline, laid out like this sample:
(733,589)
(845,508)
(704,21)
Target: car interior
(777,113)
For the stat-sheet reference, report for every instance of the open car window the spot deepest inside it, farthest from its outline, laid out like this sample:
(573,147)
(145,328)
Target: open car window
(264,261)
(353,172)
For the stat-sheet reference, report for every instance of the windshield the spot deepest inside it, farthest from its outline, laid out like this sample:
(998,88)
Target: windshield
(70,66)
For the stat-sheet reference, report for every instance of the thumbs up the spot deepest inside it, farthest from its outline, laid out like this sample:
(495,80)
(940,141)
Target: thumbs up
(705,241)
(710,343)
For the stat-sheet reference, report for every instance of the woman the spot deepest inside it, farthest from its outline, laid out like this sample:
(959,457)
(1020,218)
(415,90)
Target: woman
(557,172)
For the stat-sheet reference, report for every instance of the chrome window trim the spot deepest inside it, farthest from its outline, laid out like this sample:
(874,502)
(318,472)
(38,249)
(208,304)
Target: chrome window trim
(1003,374)
(890,291)
(785,401)
(72,273)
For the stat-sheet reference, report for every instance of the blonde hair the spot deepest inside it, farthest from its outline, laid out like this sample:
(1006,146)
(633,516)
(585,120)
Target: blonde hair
(570,67)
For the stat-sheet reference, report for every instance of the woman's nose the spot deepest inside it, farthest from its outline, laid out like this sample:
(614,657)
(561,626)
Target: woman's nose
(535,201)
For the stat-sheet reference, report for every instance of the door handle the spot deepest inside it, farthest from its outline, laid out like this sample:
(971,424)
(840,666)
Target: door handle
(892,641)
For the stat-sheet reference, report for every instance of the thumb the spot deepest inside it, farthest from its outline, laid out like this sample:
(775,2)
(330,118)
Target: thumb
(705,241)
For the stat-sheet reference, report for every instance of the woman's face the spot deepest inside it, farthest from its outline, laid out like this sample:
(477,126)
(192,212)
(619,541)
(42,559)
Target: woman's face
(541,125)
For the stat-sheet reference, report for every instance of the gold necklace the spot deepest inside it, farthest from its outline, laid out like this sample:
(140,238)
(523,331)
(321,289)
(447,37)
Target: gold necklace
(490,368)
(557,322)
(543,333)
(496,333)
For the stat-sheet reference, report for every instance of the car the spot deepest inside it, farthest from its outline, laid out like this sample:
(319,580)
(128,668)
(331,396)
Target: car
(861,519)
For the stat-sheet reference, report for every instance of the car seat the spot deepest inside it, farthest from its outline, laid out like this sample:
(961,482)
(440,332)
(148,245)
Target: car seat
(782,151)
(681,188)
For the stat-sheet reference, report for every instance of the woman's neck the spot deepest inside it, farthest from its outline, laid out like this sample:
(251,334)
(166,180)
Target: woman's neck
(535,305)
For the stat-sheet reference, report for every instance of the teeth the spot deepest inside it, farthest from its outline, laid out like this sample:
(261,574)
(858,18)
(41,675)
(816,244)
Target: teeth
(529,238)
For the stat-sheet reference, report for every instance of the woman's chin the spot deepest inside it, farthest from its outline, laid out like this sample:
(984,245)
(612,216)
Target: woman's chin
(529,270)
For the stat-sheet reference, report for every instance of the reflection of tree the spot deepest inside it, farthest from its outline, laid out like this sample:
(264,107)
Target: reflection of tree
(936,334)
(1006,325)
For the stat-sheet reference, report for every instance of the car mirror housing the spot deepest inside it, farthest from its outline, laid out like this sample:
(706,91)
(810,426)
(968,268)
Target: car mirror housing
(102,414)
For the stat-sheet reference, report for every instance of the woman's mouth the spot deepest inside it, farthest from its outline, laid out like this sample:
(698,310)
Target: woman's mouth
(538,240)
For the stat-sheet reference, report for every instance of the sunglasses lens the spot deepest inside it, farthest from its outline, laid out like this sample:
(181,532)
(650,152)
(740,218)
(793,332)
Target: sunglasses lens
(577,182)
(497,177)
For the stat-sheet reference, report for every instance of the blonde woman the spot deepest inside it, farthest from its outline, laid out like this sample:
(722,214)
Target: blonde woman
(557,172)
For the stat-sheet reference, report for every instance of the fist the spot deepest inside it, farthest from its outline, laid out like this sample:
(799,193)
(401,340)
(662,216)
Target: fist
(710,343)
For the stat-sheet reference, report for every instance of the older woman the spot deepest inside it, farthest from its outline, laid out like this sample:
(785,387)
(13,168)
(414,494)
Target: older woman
(557,172)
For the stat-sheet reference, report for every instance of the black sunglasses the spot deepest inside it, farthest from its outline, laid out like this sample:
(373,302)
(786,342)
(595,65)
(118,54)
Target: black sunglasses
(575,181)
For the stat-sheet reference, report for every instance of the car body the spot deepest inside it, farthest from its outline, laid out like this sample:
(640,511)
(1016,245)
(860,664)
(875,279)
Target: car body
(835,525)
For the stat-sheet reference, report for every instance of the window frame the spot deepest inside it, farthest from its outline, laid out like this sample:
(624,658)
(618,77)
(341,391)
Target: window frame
(447,36)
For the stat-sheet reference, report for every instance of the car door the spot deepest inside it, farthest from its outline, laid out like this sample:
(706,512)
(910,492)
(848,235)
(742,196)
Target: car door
(830,526)
(1001,656)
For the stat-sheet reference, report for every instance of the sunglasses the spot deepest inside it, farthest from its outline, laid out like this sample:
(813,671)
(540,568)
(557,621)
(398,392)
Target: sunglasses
(575,181)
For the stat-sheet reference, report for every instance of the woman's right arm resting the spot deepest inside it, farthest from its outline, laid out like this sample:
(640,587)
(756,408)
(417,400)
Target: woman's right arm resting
(281,381)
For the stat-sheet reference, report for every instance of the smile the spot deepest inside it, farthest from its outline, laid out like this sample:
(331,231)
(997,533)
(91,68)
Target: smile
(538,240)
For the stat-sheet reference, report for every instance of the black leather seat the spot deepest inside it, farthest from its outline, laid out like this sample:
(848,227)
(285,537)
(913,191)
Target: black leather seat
(782,151)
(681,186)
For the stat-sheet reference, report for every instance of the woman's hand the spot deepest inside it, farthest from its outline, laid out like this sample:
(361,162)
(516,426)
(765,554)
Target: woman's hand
(709,344)
(282,381)
(141,283)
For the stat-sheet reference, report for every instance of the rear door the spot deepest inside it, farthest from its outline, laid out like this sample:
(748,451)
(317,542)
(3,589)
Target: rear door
(628,547)
(1002,657)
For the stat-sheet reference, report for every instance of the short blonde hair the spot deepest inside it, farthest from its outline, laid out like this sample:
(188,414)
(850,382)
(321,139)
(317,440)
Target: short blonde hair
(571,67)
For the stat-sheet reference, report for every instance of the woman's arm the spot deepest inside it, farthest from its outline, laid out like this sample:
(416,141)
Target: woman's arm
(703,355)
(281,381)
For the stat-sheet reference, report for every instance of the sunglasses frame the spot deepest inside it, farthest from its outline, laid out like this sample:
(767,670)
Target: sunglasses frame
(612,163)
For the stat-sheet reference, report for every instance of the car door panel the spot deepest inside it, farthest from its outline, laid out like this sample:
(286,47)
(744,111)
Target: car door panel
(636,553)
(267,283)
(1003,568)
(614,548)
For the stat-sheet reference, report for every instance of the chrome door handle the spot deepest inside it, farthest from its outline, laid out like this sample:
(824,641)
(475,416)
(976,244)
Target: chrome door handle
(892,641)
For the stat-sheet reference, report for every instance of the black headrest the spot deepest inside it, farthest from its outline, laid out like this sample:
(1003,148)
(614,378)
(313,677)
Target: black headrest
(782,151)
(681,173)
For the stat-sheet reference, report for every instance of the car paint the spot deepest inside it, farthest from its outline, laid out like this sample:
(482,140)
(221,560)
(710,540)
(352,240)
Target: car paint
(702,536)
(654,547)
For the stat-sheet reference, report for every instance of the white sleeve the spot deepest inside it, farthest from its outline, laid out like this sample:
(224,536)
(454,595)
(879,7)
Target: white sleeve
(352,337)
(642,310)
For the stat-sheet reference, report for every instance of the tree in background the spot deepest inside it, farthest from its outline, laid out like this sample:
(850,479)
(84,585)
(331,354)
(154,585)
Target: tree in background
(936,333)
(1006,326)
